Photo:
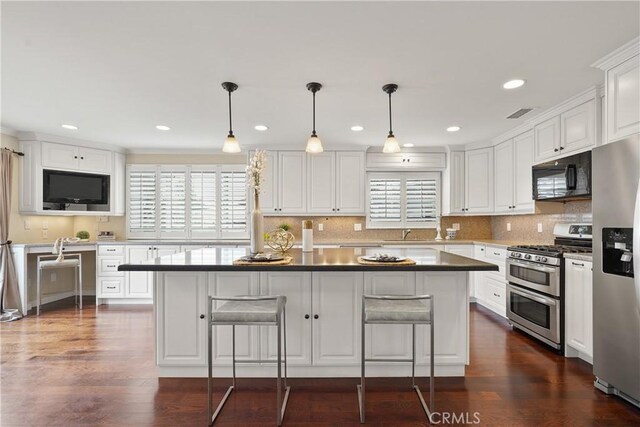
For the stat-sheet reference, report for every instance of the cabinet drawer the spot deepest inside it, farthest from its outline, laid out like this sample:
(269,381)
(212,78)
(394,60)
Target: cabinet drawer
(495,293)
(115,250)
(496,255)
(109,266)
(111,287)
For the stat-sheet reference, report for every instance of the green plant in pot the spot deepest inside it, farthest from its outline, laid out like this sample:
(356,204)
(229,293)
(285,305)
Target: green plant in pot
(284,226)
(83,235)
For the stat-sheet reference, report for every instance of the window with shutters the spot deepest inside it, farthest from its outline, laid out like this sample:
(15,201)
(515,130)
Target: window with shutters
(400,200)
(168,201)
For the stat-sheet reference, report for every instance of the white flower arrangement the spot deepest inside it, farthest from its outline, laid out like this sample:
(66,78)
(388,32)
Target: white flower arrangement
(255,170)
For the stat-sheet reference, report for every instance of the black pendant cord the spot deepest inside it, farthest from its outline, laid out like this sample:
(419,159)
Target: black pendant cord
(390,119)
(230,125)
(313,132)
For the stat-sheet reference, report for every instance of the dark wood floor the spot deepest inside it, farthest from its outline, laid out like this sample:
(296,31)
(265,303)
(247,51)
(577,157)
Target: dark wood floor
(93,368)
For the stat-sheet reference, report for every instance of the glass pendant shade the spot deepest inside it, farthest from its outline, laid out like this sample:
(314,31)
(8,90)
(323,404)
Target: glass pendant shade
(391,145)
(231,145)
(314,145)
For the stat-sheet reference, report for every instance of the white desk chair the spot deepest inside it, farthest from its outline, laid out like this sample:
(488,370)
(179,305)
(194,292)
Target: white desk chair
(47,262)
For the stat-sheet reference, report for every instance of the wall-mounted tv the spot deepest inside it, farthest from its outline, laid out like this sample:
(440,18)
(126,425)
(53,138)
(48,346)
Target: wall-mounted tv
(74,187)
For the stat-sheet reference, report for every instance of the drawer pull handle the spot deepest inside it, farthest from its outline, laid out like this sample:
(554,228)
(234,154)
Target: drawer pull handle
(496,253)
(577,263)
(111,266)
(111,287)
(111,250)
(496,295)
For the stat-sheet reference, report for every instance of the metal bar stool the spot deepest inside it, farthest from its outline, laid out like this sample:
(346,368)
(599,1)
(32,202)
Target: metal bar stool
(47,262)
(398,310)
(249,310)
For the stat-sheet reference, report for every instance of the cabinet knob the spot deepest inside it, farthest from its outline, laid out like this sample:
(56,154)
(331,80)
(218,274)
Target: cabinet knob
(75,157)
(338,209)
(496,295)
(81,158)
(202,316)
(315,316)
(562,148)
(306,316)
(556,150)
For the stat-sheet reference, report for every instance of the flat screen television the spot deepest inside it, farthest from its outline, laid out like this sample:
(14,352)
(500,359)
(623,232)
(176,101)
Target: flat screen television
(74,187)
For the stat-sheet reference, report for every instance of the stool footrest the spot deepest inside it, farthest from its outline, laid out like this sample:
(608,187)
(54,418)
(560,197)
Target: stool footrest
(256,361)
(389,360)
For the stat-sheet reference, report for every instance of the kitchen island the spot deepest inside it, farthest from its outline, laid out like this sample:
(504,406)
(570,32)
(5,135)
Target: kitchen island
(324,291)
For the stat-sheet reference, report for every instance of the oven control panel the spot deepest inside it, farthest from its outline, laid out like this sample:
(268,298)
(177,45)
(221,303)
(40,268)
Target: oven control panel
(541,259)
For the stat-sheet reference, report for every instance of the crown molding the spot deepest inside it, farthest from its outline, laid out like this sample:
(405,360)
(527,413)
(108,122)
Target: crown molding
(8,131)
(618,56)
(43,137)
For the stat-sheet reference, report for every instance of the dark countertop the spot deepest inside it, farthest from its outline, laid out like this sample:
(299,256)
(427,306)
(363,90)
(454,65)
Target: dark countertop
(342,259)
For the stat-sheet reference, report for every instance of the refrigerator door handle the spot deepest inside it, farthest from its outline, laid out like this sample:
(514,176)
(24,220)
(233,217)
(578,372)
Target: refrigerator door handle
(636,247)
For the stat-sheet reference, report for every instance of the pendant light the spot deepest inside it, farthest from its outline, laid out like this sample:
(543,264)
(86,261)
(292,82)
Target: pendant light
(230,144)
(314,145)
(391,144)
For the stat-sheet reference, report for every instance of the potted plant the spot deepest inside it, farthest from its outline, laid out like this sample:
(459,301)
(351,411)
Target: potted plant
(83,235)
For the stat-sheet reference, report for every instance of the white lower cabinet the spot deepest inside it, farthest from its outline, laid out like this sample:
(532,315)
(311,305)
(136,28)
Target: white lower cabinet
(336,318)
(490,286)
(579,309)
(389,341)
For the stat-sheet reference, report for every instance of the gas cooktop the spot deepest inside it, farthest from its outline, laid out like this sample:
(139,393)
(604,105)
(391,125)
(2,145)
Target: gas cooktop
(549,250)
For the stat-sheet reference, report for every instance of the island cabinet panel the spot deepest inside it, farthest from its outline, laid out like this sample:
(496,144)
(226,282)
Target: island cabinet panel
(389,341)
(296,286)
(336,317)
(181,298)
(223,284)
(451,308)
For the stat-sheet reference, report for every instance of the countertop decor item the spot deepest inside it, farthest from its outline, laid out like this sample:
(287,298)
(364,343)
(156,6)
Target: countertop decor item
(230,144)
(451,233)
(307,236)
(83,235)
(438,228)
(391,144)
(314,145)
(280,240)
(279,260)
(365,260)
(255,174)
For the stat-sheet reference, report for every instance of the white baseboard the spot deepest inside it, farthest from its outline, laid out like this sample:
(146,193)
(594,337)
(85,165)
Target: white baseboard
(46,299)
(123,301)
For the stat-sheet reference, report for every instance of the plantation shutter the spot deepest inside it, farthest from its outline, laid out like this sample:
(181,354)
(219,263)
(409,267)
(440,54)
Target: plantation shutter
(422,197)
(203,206)
(173,202)
(233,203)
(141,196)
(385,201)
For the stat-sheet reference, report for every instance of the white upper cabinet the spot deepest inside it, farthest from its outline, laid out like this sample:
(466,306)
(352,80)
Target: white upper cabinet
(522,162)
(623,99)
(269,192)
(406,160)
(118,184)
(62,156)
(479,180)
(504,182)
(350,182)
(321,170)
(578,127)
(457,183)
(546,139)
(292,179)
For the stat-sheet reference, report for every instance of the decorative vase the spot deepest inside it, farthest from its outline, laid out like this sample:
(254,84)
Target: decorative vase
(257,226)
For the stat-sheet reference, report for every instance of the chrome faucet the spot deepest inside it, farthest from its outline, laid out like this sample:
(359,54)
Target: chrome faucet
(405,233)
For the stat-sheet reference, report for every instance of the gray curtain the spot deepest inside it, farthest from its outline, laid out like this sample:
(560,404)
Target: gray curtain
(9,294)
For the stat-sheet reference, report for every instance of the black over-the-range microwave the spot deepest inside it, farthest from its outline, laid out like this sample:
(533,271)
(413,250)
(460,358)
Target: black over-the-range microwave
(563,179)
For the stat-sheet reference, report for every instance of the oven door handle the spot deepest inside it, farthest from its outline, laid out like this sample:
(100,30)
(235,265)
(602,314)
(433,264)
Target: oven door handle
(531,265)
(532,296)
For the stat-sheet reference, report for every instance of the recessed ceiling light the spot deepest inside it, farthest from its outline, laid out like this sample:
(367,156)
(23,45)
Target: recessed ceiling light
(261,128)
(513,84)
(453,128)
(163,127)
(357,128)
(70,127)
(409,145)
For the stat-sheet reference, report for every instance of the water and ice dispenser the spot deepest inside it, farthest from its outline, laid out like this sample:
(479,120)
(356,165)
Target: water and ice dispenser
(617,251)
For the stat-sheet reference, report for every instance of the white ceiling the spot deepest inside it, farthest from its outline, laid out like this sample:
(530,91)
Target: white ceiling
(118,69)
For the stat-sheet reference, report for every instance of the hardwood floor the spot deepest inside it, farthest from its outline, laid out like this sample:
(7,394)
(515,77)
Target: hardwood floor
(96,368)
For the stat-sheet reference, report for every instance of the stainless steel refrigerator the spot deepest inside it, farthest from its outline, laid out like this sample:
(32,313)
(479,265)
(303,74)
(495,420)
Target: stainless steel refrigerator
(616,255)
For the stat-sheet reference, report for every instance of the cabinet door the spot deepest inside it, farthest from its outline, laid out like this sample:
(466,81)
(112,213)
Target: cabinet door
(181,300)
(296,286)
(522,162)
(140,283)
(578,127)
(59,156)
(546,139)
(623,99)
(479,180)
(579,305)
(469,252)
(321,180)
(389,341)
(456,184)
(247,337)
(95,161)
(503,155)
(163,250)
(118,190)
(350,183)
(337,302)
(269,193)
(292,180)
